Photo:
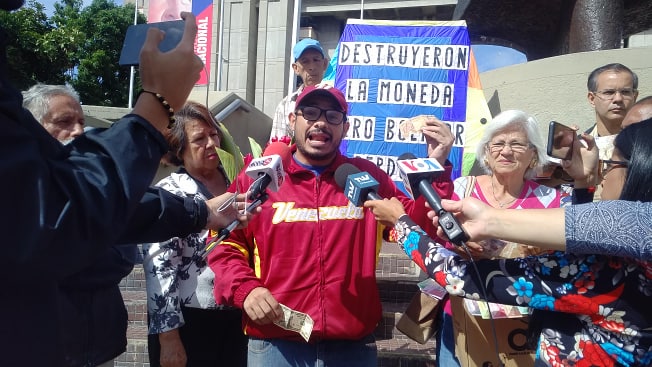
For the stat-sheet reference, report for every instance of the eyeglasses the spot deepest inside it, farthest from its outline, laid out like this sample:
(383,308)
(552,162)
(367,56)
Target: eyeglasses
(312,113)
(609,94)
(514,146)
(606,165)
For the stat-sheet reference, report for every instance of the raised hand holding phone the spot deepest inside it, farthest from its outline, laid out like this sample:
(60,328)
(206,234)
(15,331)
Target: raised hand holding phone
(171,74)
(137,33)
(560,140)
(583,166)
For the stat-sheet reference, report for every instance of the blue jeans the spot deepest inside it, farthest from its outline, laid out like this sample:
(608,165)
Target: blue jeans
(327,353)
(445,352)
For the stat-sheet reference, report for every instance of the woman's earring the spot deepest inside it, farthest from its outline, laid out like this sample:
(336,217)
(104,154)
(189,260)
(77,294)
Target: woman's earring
(533,163)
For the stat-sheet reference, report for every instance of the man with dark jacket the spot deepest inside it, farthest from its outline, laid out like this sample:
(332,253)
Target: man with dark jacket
(64,205)
(93,314)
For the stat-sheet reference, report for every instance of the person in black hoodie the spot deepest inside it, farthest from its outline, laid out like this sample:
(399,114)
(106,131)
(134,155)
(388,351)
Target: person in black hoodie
(94,317)
(64,205)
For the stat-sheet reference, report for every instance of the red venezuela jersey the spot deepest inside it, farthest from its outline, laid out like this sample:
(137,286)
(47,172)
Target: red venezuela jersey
(314,251)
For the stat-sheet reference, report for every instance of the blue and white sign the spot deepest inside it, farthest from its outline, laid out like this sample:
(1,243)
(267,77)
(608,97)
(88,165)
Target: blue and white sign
(391,71)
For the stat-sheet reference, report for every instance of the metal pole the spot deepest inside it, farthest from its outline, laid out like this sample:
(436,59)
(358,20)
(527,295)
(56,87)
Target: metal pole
(132,70)
(220,46)
(296,23)
(361,9)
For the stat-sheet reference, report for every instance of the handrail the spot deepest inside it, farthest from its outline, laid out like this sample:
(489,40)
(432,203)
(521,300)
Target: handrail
(232,107)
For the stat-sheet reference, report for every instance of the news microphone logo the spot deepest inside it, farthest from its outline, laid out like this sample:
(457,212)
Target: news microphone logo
(359,186)
(272,166)
(412,170)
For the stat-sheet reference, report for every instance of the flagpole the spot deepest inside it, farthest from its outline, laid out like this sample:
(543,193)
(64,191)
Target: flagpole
(296,24)
(132,70)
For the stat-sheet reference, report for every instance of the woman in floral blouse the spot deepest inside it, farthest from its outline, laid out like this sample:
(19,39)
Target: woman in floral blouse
(604,301)
(186,326)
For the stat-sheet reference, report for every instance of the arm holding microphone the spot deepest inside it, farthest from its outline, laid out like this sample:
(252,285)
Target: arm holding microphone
(224,216)
(563,229)
(375,184)
(439,142)
(361,187)
(417,175)
(161,215)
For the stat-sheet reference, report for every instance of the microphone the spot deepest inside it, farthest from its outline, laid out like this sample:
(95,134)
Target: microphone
(417,175)
(268,169)
(358,186)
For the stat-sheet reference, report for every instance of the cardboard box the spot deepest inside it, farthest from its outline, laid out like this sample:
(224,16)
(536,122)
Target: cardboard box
(474,340)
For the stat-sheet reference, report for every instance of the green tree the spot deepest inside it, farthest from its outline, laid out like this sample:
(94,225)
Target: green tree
(98,78)
(77,46)
(37,50)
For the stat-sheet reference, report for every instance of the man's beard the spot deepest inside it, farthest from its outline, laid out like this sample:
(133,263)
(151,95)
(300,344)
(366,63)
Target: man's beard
(325,156)
(11,4)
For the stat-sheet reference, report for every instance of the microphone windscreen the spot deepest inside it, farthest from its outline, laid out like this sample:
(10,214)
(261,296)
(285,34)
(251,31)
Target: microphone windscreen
(343,172)
(281,149)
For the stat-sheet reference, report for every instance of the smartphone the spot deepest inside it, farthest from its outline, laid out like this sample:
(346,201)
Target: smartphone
(137,33)
(560,140)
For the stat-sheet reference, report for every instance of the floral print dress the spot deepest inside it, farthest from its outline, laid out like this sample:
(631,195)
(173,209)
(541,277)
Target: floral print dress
(176,273)
(605,303)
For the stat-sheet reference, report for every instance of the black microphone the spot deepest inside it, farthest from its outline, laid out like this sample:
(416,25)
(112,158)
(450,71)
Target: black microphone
(358,186)
(417,175)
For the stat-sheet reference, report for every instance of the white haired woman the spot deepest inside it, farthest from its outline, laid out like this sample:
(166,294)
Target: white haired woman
(510,151)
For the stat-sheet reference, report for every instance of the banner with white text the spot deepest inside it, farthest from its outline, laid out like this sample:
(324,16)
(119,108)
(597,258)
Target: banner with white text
(391,71)
(166,10)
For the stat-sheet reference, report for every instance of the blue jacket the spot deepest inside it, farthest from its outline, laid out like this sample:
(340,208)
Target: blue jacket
(63,206)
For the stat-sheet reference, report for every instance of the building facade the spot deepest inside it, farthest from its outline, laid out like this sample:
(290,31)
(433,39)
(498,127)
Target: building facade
(251,40)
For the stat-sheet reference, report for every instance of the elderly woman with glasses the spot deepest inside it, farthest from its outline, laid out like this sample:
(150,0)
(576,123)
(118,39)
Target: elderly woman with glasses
(510,152)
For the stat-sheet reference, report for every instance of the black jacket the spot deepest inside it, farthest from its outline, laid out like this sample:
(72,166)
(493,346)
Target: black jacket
(93,314)
(62,206)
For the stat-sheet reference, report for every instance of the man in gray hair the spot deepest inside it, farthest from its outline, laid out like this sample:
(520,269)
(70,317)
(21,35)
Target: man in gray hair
(57,108)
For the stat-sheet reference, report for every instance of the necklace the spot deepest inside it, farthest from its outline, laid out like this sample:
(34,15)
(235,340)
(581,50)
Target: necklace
(493,192)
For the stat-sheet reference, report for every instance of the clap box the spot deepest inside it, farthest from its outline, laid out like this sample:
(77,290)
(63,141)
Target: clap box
(474,342)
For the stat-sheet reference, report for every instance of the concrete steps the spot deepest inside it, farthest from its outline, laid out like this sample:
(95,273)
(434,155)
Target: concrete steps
(396,276)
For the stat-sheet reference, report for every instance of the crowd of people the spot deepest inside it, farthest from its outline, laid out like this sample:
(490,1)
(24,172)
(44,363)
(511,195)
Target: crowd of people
(294,284)
(601,302)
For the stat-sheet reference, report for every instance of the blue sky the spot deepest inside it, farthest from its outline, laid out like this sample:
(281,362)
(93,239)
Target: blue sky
(489,57)
(49,5)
